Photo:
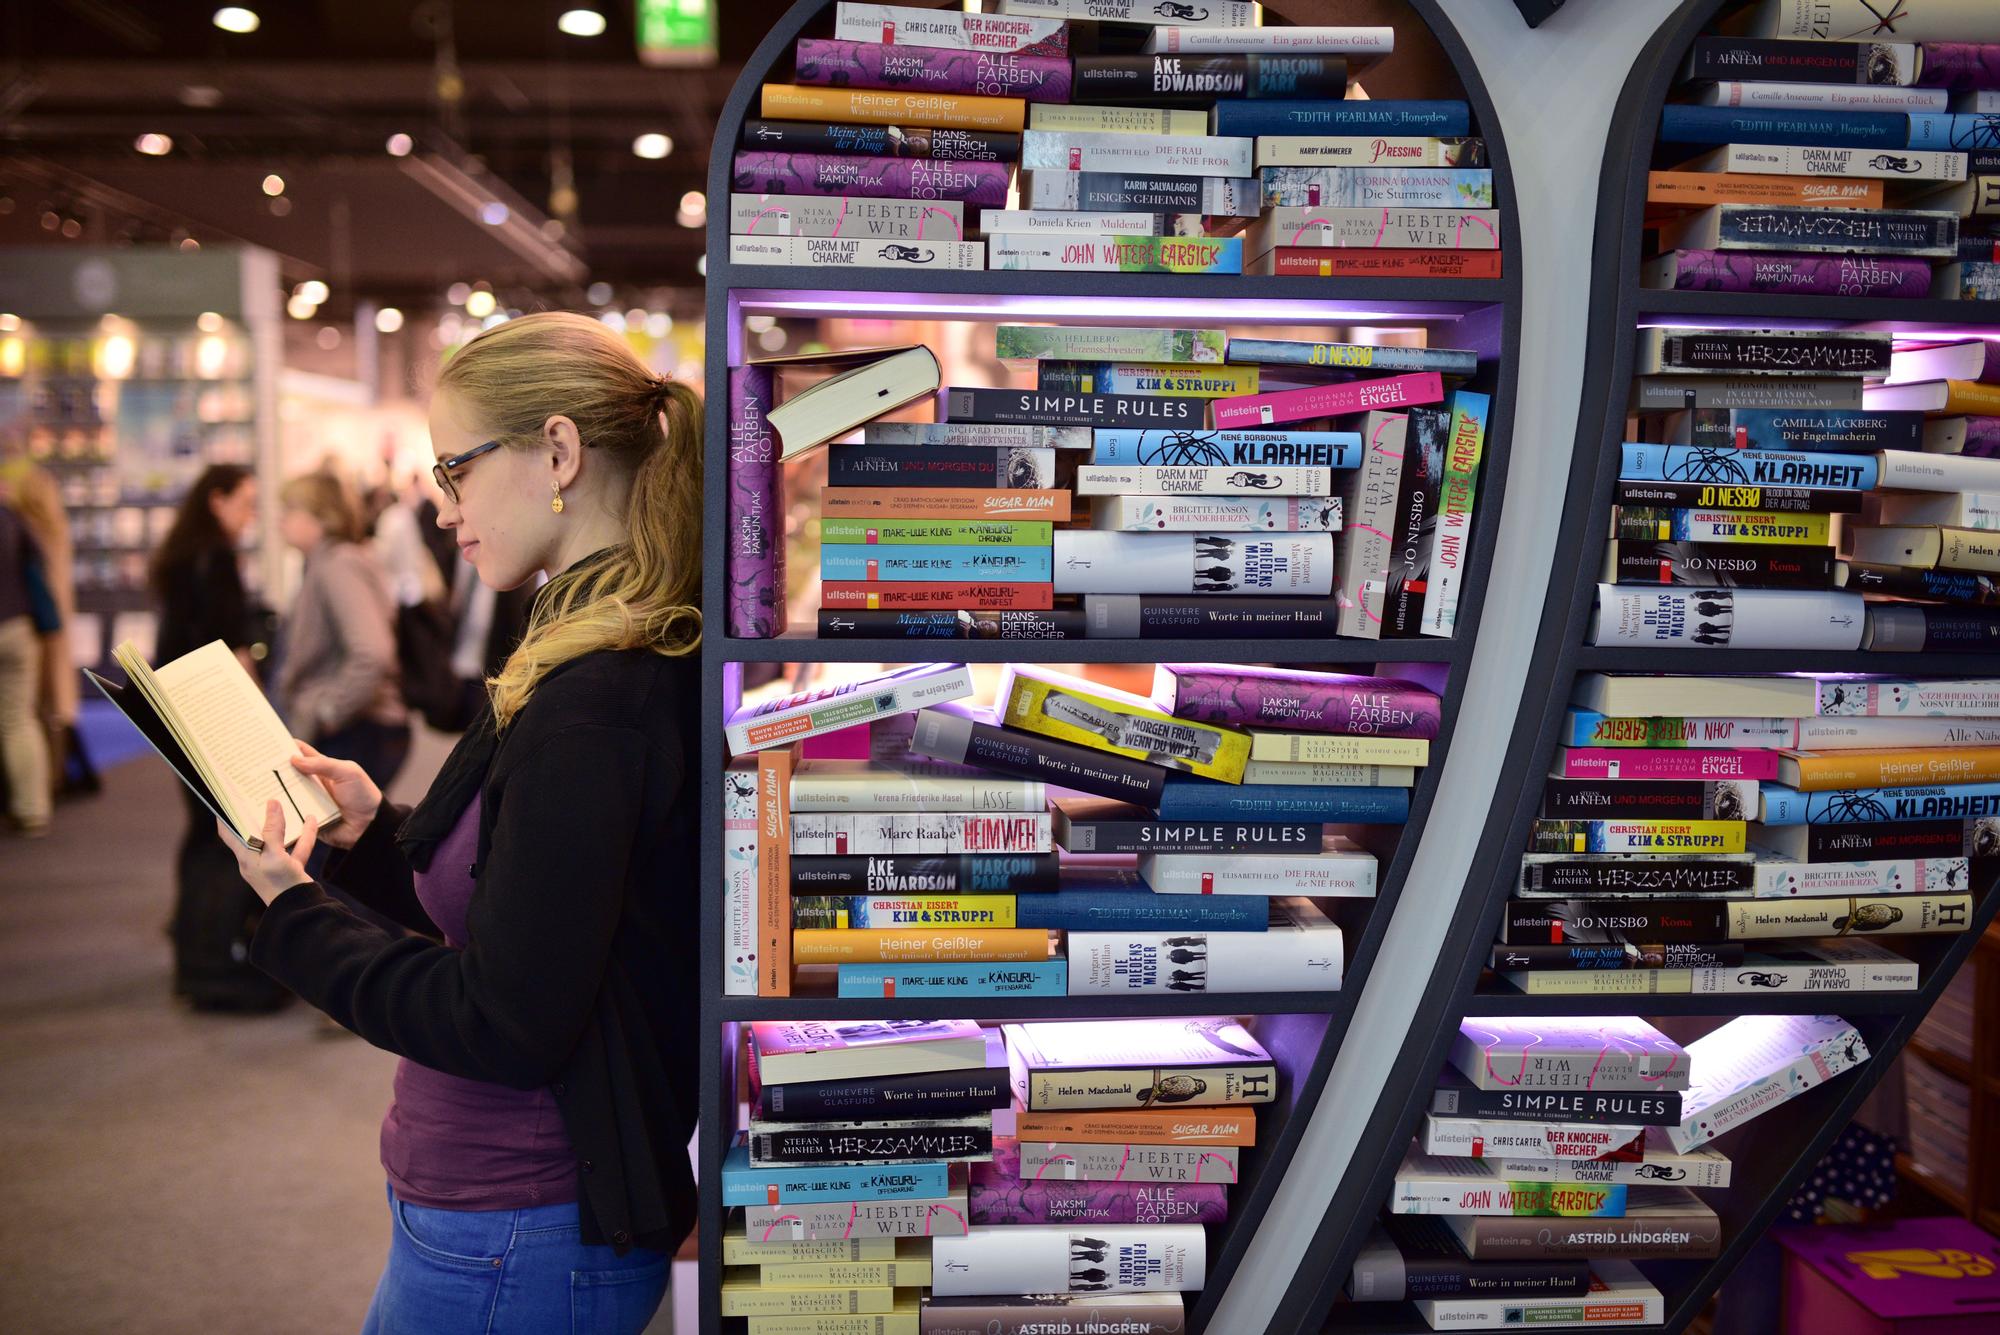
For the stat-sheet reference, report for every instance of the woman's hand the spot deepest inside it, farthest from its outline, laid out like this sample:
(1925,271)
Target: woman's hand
(351,789)
(274,870)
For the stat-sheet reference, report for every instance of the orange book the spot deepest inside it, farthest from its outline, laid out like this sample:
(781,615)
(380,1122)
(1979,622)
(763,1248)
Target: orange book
(774,871)
(942,503)
(1698,190)
(1141,1126)
(877,106)
(1001,597)
(1366,262)
(851,945)
(1914,767)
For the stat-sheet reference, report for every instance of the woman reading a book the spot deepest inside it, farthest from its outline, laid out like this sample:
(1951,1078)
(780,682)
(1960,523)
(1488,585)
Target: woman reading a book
(543,998)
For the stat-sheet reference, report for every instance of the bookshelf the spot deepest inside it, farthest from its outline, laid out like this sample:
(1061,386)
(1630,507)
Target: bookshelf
(1773,1155)
(1302,1031)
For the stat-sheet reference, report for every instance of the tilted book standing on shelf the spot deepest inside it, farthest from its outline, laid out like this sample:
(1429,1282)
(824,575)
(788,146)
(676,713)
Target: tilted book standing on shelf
(851,1049)
(875,381)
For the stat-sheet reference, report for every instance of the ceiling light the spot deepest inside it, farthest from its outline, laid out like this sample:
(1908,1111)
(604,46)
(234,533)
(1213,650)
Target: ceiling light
(613,320)
(652,146)
(400,144)
(312,290)
(9,323)
(279,207)
(328,338)
(154,145)
(457,293)
(659,324)
(701,266)
(235,18)
(388,320)
(580,23)
(274,185)
(71,229)
(203,95)
(493,214)
(189,245)
(209,322)
(695,203)
(299,308)
(598,294)
(479,305)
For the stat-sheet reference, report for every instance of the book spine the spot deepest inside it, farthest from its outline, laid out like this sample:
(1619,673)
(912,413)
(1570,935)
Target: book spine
(1944,586)
(1420,1193)
(1008,466)
(1809,275)
(840,1275)
(1041,1316)
(1036,978)
(1358,41)
(1158,1258)
(1483,1138)
(1858,231)
(1073,1161)
(1388,229)
(1201,382)
(845,833)
(795,718)
(1888,876)
(1961,65)
(873,1098)
(1072,710)
(1922,471)
(1325,751)
(1679,393)
(830,252)
(878,107)
(1053,223)
(1453,538)
(1783,468)
(740,913)
(1826,161)
(1590,729)
(882,141)
(1092,561)
(1808,1070)
(1749,353)
(1411,541)
(979,183)
(917,594)
(937,1217)
(1722,565)
(1348,357)
(1938,630)
(985,435)
(774,890)
(809,1184)
(1386,1276)
(1214,196)
(846,215)
(943,503)
(1690,1235)
(1368,501)
(1786,528)
(1895,768)
(956,533)
(1312,262)
(1118,120)
(1161,964)
(1823,97)
(976,874)
(1729,799)
(1241,801)
(1805,504)
(1788,806)
(758,1302)
(1660,1166)
(1178,81)
(833,911)
(909,25)
(1071,409)
(954,737)
(1117,254)
(1083,151)
(1154,836)
(1949,132)
(1947,838)
(1050,1198)
(1217,514)
(831,62)
(756,548)
(1245,697)
(951,945)
(1889,64)
(1142,911)
(1018,342)
(1696,189)
(1546,874)
(1132,616)
(1371,188)
(1208,876)
(971,564)
(1700,764)
(1441,118)
(952,624)
(1354,396)
(1210,1126)
(1681,124)
(1399,151)
(882,1144)
(1619,955)
(1737,618)
(1233,14)
(1837,430)
(1638,836)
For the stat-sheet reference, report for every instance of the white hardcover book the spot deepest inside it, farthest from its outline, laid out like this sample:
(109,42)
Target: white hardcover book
(1070,1258)
(1329,775)
(1079,1161)
(1338,871)
(1779,877)
(1972,360)
(1219,196)
(1976,102)
(852,216)
(1841,732)
(1840,965)
(1905,164)
(1733,618)
(1368,498)
(835,252)
(1216,514)
(1317,41)
(1920,470)
(1389,229)
(739,878)
(1291,150)
(1209,14)
(1198,480)
(1952,509)
(844,833)
(1051,222)
(910,783)
(1757,1062)
(1377,187)
(1620,1295)
(949,29)
(1872,20)
(1507,1138)
(793,718)
(1300,951)
(1090,561)
(1822,96)
(1138,155)
(1659,1163)
(1116,120)
(984,435)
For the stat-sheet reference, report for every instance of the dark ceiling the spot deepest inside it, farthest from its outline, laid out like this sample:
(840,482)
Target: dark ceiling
(497,101)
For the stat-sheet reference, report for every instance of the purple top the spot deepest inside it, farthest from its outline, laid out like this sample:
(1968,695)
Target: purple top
(457,1144)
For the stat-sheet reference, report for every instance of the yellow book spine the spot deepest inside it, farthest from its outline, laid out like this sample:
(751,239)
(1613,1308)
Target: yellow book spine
(902,1321)
(1826,771)
(1037,706)
(1969,549)
(874,106)
(1971,396)
(1006,945)
(744,1295)
(1899,915)
(1602,982)
(1316,748)
(847,1274)
(1120,1128)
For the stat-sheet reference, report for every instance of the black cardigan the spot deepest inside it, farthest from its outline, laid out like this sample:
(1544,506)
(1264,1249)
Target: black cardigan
(576,973)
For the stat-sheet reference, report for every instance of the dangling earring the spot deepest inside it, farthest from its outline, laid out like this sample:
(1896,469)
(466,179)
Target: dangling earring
(556,500)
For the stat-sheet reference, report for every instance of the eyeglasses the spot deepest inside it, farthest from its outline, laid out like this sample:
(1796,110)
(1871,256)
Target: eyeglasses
(444,471)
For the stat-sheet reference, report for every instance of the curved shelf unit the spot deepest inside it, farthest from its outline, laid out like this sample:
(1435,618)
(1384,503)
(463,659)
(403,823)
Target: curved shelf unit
(1773,1155)
(1478,314)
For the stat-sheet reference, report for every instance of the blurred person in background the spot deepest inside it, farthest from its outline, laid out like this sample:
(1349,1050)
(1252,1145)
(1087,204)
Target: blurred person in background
(198,582)
(36,497)
(26,613)
(337,680)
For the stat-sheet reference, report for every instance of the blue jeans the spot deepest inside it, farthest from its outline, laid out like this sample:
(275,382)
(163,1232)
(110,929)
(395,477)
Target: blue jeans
(509,1272)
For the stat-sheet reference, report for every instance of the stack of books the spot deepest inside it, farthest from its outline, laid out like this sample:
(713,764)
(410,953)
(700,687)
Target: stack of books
(1151,138)
(853,1167)
(1197,830)
(1800,489)
(1748,834)
(1558,1154)
(1834,164)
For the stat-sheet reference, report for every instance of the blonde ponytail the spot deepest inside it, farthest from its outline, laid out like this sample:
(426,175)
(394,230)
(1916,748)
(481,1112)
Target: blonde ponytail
(646,593)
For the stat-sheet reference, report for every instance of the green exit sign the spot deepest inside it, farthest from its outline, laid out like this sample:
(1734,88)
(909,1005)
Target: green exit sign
(677,32)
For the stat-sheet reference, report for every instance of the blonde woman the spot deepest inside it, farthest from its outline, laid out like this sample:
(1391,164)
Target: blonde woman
(536,1150)
(337,681)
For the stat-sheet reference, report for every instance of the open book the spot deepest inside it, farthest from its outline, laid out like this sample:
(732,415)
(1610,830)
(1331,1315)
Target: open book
(207,718)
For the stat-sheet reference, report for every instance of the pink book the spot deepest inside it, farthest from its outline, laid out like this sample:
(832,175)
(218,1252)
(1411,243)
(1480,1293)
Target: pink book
(1352,396)
(841,744)
(1618,762)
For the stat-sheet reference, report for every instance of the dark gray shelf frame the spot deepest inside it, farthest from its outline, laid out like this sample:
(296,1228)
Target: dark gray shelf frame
(1782,1156)
(1303,1031)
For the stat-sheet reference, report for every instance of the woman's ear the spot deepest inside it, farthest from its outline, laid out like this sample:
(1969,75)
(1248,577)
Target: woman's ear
(564,447)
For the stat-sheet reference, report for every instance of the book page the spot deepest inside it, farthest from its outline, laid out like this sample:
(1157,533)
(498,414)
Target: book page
(244,744)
